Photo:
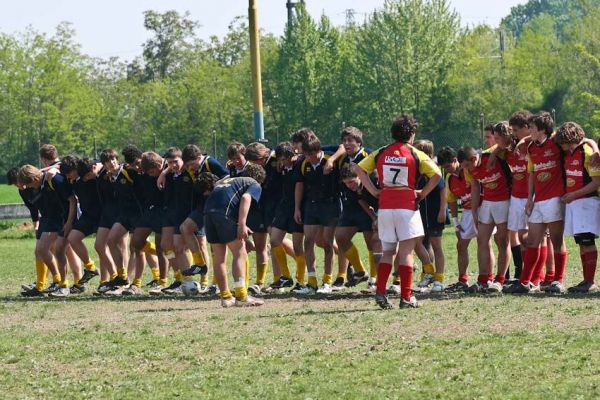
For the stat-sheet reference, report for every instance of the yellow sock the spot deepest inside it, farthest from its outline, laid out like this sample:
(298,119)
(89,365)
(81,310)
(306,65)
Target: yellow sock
(155,274)
(226,294)
(281,257)
(327,279)
(438,277)
(354,258)
(188,255)
(56,278)
(122,271)
(300,269)
(90,266)
(341,275)
(41,271)
(198,258)
(163,282)
(64,284)
(178,276)
(214,280)
(204,280)
(75,280)
(261,273)
(428,269)
(247,271)
(113,276)
(149,248)
(137,282)
(372,265)
(312,279)
(240,290)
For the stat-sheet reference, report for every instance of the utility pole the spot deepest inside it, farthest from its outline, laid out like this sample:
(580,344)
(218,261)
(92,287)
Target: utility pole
(482,121)
(291,5)
(259,125)
(350,21)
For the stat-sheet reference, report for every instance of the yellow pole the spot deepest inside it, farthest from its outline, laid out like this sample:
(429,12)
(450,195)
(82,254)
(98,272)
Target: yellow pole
(259,128)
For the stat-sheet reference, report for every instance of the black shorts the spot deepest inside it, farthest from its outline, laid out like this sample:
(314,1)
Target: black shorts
(219,228)
(355,217)
(129,219)
(198,217)
(269,209)
(49,225)
(86,224)
(284,219)
(585,239)
(152,218)
(109,215)
(324,213)
(174,218)
(256,219)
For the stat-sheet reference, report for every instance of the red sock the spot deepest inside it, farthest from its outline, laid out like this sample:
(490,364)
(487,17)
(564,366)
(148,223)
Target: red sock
(530,258)
(560,263)
(588,261)
(501,279)
(383,273)
(482,278)
(464,278)
(540,265)
(549,278)
(406,272)
(490,278)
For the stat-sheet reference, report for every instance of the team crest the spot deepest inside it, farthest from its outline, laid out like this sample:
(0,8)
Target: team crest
(123,181)
(396,152)
(518,177)
(575,163)
(491,185)
(544,176)
(570,182)
(548,153)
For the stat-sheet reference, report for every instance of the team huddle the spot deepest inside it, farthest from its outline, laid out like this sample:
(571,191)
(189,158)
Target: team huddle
(529,188)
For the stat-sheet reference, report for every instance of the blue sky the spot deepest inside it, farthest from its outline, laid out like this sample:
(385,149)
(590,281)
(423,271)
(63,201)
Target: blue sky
(115,27)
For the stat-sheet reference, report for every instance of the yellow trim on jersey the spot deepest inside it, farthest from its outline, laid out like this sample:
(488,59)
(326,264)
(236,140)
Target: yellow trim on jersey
(450,197)
(468,177)
(50,184)
(588,152)
(126,175)
(368,163)
(426,165)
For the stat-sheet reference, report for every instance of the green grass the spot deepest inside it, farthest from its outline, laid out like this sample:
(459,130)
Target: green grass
(9,194)
(340,346)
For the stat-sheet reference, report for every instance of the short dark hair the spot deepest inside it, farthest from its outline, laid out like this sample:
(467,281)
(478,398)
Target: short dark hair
(85,166)
(312,145)
(502,129)
(520,118)
(466,153)
(543,122)
(302,135)
(172,152)
(68,164)
(489,128)
(11,176)
(131,153)
(256,151)
(446,155)
(425,145)
(255,172)
(151,160)
(403,128)
(284,150)
(206,182)
(352,132)
(190,152)
(235,149)
(569,133)
(107,155)
(347,171)
(48,152)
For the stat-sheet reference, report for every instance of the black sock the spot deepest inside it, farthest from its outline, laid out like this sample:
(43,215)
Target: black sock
(517,260)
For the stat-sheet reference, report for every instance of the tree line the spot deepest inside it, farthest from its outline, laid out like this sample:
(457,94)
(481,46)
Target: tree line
(409,56)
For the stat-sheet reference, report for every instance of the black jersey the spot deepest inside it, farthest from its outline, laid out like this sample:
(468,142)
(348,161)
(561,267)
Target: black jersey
(28,195)
(317,185)
(53,197)
(225,198)
(152,196)
(350,198)
(128,189)
(106,189)
(88,196)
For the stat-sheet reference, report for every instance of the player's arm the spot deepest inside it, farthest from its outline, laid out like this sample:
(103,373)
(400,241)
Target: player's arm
(243,230)
(595,157)
(441,218)
(530,187)
(330,163)
(162,178)
(363,169)
(475,197)
(298,195)
(428,168)
(368,209)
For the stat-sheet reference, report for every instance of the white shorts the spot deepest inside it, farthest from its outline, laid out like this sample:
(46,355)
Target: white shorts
(547,211)
(583,216)
(396,225)
(493,212)
(467,229)
(517,219)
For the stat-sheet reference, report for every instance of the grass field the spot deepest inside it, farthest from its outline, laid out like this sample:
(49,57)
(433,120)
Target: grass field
(9,194)
(340,346)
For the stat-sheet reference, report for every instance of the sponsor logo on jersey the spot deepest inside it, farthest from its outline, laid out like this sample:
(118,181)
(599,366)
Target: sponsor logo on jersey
(570,182)
(395,159)
(549,153)
(544,165)
(573,172)
(519,177)
(544,176)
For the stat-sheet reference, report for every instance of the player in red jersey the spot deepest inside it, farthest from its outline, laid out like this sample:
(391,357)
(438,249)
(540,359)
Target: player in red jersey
(398,166)
(491,185)
(458,189)
(582,213)
(544,207)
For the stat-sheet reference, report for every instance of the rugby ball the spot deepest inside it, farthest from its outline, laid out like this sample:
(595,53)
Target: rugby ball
(190,288)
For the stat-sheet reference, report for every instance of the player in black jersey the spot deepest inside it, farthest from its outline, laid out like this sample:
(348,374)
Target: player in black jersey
(83,177)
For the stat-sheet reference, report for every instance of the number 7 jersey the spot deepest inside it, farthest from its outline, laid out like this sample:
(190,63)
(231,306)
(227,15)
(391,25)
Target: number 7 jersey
(399,166)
